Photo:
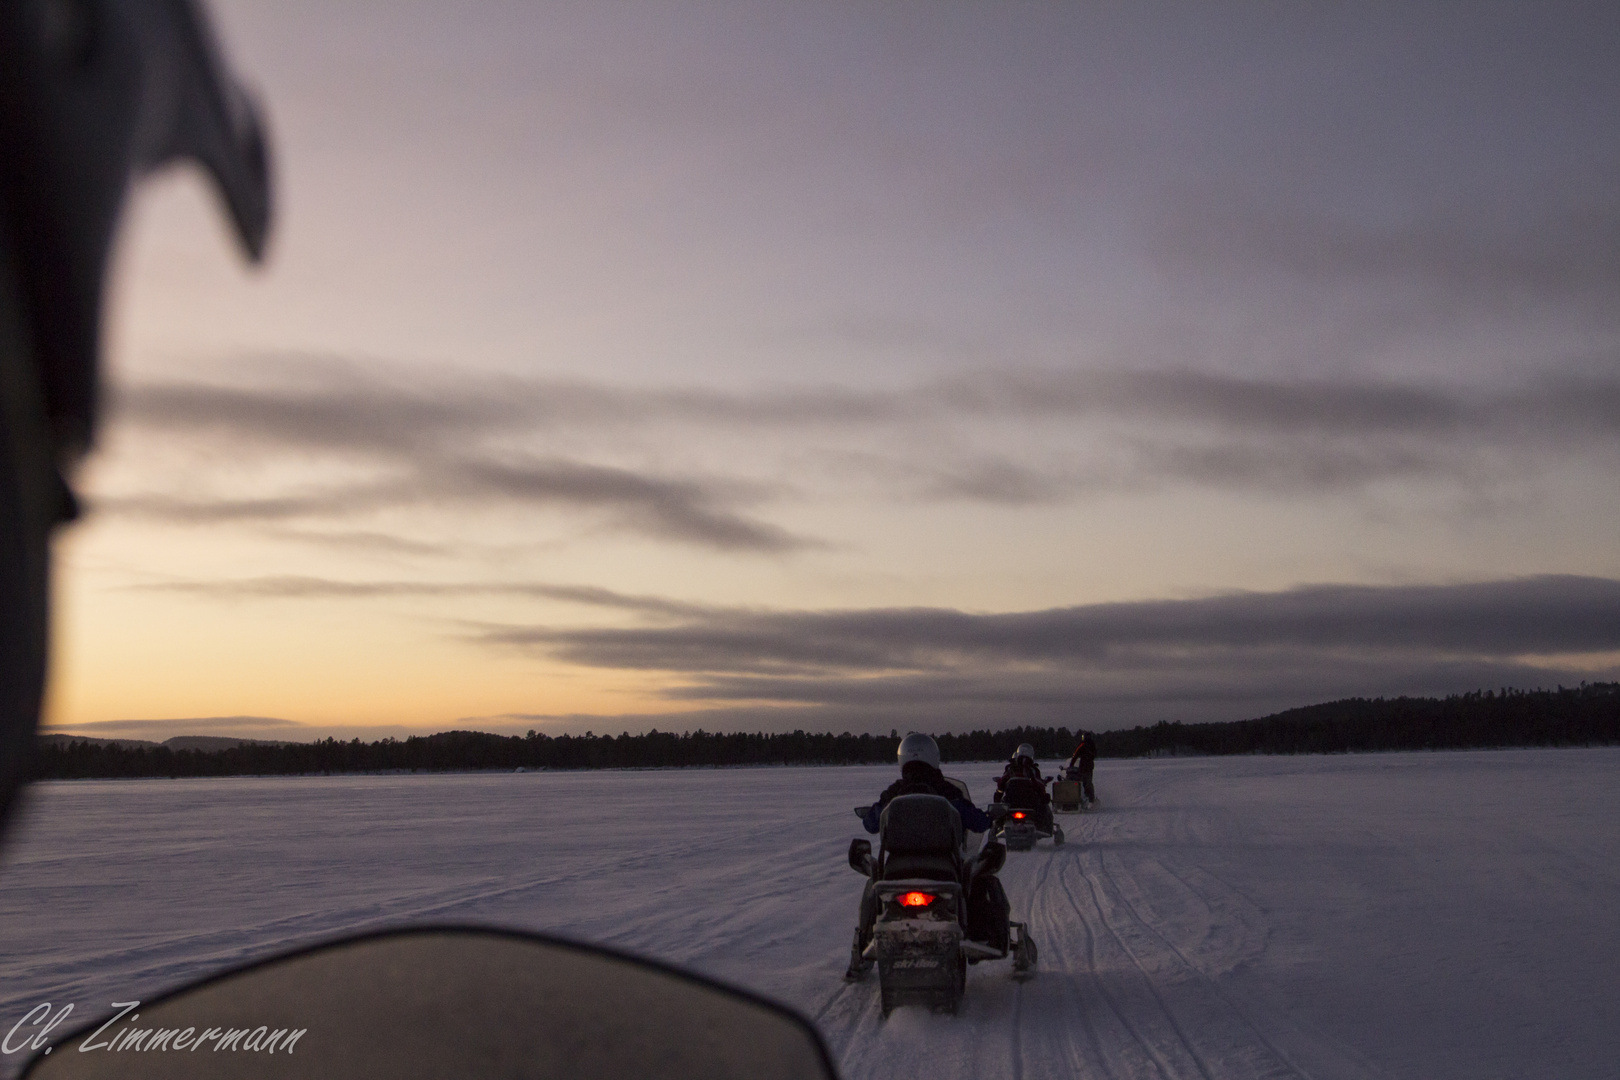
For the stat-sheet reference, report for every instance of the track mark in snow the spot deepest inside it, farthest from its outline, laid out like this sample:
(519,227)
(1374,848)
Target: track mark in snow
(1232,1041)
(1035,893)
(1147,1051)
(1151,981)
(832,999)
(1058,1033)
(1018,1033)
(1148,925)
(1234,909)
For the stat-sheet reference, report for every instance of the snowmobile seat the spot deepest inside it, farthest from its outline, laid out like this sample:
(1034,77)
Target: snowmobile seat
(922,838)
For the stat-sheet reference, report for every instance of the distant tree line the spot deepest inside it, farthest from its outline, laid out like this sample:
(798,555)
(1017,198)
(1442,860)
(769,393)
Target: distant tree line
(1580,716)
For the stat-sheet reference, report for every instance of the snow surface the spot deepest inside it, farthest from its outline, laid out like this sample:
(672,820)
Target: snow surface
(1391,915)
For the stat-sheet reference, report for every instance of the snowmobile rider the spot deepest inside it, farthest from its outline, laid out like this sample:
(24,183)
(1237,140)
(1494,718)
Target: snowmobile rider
(1082,764)
(1022,764)
(920,775)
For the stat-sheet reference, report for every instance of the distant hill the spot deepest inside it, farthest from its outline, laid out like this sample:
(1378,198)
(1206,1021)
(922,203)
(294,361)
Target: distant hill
(1575,716)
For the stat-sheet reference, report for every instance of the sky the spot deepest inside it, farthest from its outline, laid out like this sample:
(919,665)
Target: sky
(861,367)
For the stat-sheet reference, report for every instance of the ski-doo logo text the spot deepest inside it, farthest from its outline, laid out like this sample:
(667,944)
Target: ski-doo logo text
(32,1032)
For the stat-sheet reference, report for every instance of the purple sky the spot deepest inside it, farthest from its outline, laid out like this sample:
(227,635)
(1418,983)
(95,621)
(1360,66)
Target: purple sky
(627,320)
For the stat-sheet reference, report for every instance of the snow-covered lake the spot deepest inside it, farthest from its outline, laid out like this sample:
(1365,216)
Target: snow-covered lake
(1433,916)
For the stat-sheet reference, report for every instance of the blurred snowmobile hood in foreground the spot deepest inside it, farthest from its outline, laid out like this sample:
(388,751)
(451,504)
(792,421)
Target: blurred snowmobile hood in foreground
(453,1001)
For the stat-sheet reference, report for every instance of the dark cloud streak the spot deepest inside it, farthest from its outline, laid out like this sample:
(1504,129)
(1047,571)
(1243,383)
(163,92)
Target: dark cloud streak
(990,438)
(684,510)
(687,511)
(303,587)
(1485,262)
(372,413)
(1552,614)
(1208,658)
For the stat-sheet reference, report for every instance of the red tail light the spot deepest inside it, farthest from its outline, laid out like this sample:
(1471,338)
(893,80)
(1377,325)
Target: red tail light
(916,899)
(1018,814)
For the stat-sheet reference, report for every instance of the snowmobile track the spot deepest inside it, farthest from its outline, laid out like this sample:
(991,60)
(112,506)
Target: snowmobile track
(1212,985)
(1142,931)
(1093,957)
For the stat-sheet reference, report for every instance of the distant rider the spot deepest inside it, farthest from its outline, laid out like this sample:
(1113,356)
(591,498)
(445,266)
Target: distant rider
(1082,763)
(1022,764)
(919,775)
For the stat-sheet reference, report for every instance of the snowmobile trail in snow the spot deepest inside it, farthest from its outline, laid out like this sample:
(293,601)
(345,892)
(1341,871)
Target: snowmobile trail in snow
(1331,918)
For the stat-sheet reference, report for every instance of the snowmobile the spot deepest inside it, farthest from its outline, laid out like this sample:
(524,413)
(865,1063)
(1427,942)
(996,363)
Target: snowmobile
(1028,818)
(930,899)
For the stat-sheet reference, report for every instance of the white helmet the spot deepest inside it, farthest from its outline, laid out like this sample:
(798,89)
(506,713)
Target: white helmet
(918,747)
(1024,750)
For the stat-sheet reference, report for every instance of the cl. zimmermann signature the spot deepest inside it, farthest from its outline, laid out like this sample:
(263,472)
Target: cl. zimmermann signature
(39,1021)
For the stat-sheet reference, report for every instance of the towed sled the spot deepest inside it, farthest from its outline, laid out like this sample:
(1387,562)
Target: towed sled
(1069,794)
(1066,796)
(937,912)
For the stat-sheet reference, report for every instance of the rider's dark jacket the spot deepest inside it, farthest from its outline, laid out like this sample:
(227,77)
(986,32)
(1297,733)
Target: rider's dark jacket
(921,778)
(1030,771)
(1085,755)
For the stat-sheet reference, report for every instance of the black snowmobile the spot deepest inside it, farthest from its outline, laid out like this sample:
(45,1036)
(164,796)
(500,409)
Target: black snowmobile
(1029,816)
(938,911)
